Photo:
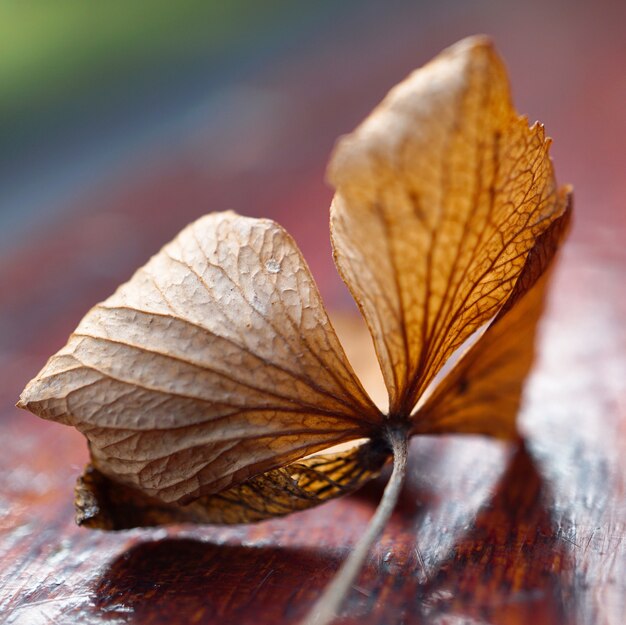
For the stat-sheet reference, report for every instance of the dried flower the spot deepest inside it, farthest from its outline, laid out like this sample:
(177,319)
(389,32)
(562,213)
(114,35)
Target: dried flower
(211,376)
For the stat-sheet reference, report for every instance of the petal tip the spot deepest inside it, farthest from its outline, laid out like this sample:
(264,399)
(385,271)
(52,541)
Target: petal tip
(25,399)
(475,42)
(474,46)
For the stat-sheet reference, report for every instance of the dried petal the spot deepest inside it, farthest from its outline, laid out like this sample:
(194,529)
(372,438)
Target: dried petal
(214,363)
(482,392)
(441,194)
(104,504)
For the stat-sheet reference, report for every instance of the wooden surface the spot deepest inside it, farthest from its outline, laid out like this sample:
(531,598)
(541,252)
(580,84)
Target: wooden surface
(484,533)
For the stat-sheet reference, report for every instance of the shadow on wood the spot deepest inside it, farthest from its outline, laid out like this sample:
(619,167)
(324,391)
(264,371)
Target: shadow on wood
(507,566)
(185,580)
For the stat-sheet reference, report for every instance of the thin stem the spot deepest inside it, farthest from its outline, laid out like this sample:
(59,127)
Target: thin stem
(326,607)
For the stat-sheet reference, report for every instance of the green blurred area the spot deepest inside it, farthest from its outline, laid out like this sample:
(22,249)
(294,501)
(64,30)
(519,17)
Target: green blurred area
(53,51)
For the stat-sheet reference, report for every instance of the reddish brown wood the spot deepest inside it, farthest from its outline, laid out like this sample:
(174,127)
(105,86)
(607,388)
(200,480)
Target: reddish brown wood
(485,533)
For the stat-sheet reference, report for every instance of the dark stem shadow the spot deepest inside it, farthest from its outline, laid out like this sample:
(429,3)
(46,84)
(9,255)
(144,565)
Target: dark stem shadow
(511,566)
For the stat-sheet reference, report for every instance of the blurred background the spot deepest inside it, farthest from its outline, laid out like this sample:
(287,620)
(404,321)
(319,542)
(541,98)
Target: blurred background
(121,122)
